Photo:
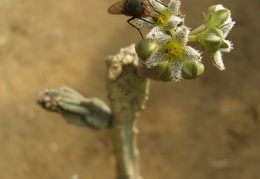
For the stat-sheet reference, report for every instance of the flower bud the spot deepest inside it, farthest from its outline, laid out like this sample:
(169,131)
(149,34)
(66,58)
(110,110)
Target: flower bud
(145,48)
(163,71)
(191,69)
(211,39)
(216,16)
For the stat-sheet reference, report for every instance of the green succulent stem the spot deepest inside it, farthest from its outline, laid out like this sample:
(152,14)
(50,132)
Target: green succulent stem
(192,38)
(198,30)
(127,93)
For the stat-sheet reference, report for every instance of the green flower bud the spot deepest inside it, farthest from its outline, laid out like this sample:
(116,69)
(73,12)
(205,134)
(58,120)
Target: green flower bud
(216,16)
(212,9)
(145,48)
(163,71)
(211,39)
(191,69)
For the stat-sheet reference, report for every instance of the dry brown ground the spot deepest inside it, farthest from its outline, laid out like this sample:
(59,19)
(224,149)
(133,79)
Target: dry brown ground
(202,129)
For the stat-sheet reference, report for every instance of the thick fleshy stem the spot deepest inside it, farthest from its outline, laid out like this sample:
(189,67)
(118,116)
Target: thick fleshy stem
(127,93)
(197,30)
(192,38)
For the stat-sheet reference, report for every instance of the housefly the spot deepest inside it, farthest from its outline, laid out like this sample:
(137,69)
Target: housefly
(135,8)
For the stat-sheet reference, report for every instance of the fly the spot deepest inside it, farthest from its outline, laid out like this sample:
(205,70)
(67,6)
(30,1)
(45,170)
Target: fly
(138,9)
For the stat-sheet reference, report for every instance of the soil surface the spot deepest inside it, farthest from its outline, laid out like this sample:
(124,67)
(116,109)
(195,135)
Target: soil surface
(201,129)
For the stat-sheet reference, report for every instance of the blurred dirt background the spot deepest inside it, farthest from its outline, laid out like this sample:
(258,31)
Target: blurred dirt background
(202,129)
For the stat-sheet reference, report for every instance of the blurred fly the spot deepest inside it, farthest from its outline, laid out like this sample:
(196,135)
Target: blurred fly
(138,9)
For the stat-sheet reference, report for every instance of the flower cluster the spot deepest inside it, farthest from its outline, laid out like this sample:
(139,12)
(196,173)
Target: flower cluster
(211,35)
(164,53)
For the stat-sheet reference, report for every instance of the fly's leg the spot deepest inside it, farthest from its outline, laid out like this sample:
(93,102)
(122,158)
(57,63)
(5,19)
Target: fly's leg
(132,18)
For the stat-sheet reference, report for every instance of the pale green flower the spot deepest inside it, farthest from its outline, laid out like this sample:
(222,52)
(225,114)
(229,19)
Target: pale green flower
(166,17)
(173,50)
(217,25)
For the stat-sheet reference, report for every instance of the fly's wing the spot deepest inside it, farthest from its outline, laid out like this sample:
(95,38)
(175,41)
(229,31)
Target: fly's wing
(117,7)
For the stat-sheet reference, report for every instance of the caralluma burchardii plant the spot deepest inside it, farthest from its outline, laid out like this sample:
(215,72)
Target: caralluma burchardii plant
(163,54)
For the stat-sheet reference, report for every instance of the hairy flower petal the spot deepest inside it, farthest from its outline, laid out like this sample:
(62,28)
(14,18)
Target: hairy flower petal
(154,59)
(174,6)
(181,35)
(144,24)
(218,61)
(230,46)
(227,27)
(158,35)
(176,70)
(191,53)
(157,6)
(174,22)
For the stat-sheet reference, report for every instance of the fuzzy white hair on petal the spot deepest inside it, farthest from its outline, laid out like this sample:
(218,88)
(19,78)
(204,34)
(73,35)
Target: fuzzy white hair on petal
(153,60)
(174,6)
(227,27)
(230,46)
(158,35)
(218,61)
(176,70)
(191,53)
